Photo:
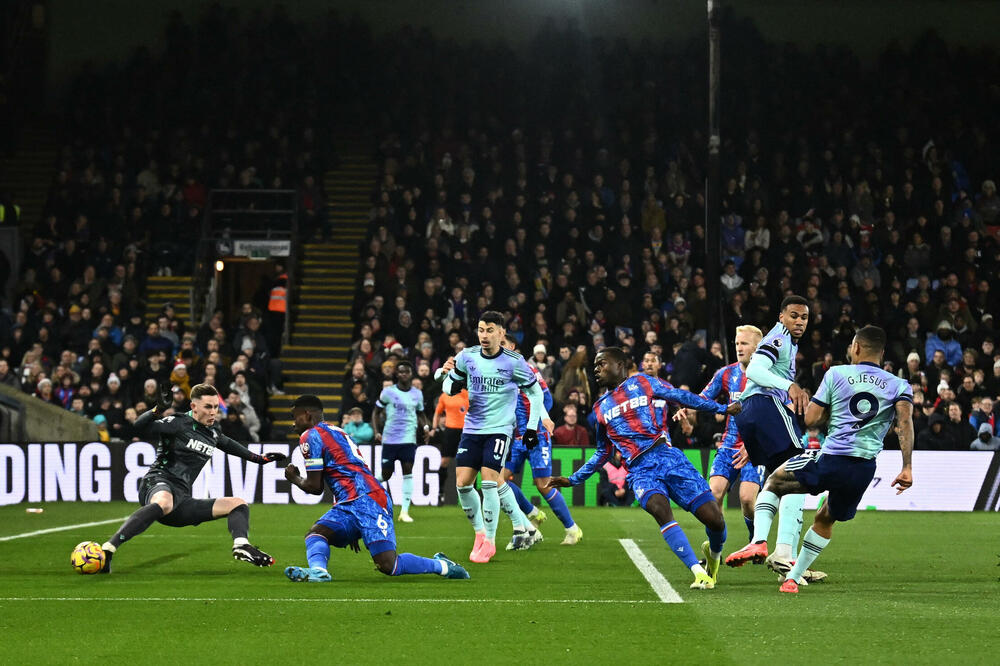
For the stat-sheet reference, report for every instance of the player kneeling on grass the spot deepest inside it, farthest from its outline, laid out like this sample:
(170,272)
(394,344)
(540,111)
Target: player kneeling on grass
(186,443)
(627,420)
(860,401)
(363,510)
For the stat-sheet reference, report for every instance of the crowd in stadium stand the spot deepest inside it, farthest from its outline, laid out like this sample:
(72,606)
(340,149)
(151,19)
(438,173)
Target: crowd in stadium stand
(579,212)
(562,185)
(144,143)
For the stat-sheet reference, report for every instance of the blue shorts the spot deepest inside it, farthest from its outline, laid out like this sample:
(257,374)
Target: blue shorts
(723,466)
(769,430)
(845,477)
(363,519)
(404,453)
(477,451)
(664,470)
(540,457)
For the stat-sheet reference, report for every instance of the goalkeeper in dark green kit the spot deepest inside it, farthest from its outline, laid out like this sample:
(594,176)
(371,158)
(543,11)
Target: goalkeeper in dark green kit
(186,443)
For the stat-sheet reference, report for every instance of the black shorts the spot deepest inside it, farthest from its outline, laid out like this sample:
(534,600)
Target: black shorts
(845,477)
(187,510)
(478,451)
(404,453)
(448,442)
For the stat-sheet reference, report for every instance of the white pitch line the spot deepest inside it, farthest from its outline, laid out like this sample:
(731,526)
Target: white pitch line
(325,600)
(64,528)
(652,575)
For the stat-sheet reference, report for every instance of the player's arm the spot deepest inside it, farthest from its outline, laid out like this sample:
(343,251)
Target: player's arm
(686,398)
(601,455)
(311,483)
(378,416)
(454,374)
(312,453)
(759,372)
(710,392)
(234,448)
(818,410)
(904,416)
(423,426)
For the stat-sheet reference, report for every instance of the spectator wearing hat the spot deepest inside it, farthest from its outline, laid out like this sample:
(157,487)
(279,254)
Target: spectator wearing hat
(985,439)
(912,372)
(179,377)
(944,339)
(179,402)
(102,428)
(353,423)
(933,438)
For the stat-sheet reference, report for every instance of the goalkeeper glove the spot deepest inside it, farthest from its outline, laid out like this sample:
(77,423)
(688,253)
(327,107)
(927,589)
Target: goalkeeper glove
(273,456)
(164,398)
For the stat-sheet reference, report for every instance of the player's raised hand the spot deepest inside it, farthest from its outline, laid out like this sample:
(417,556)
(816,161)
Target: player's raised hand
(734,408)
(292,473)
(680,414)
(799,398)
(449,365)
(274,457)
(557,482)
(903,481)
(741,458)
(164,397)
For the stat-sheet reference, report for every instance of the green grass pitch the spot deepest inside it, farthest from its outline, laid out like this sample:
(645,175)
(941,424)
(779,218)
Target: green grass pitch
(903,587)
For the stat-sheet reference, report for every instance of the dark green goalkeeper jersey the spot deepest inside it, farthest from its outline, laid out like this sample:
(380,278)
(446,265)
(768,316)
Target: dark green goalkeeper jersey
(185,446)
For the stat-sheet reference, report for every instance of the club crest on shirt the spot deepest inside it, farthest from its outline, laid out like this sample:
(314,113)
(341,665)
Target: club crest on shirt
(777,343)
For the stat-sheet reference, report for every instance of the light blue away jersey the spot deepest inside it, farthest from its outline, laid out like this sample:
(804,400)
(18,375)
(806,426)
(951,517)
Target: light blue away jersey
(401,409)
(779,347)
(862,402)
(493,383)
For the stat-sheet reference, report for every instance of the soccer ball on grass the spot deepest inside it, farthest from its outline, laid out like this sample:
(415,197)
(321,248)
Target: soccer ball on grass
(87,557)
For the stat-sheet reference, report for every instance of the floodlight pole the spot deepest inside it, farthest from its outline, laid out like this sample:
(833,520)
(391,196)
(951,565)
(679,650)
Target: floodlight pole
(713,187)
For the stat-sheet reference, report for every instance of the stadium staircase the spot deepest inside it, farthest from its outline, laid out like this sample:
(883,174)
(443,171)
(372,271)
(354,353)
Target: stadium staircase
(175,290)
(316,358)
(27,173)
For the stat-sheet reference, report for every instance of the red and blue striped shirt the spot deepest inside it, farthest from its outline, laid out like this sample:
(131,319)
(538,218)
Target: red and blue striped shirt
(329,449)
(728,382)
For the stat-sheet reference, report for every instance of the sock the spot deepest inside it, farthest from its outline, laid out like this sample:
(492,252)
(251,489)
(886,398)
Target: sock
(749,524)
(491,509)
(812,545)
(442,478)
(558,505)
(468,497)
(763,514)
(716,540)
(136,524)
(789,525)
(407,492)
(317,551)
(678,542)
(239,523)
(508,503)
(414,564)
(522,501)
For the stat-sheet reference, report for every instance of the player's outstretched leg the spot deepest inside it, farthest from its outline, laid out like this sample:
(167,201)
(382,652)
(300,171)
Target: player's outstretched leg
(707,510)
(658,506)
(534,514)
(136,524)
(816,539)
(239,526)
(391,564)
(559,507)
(318,557)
